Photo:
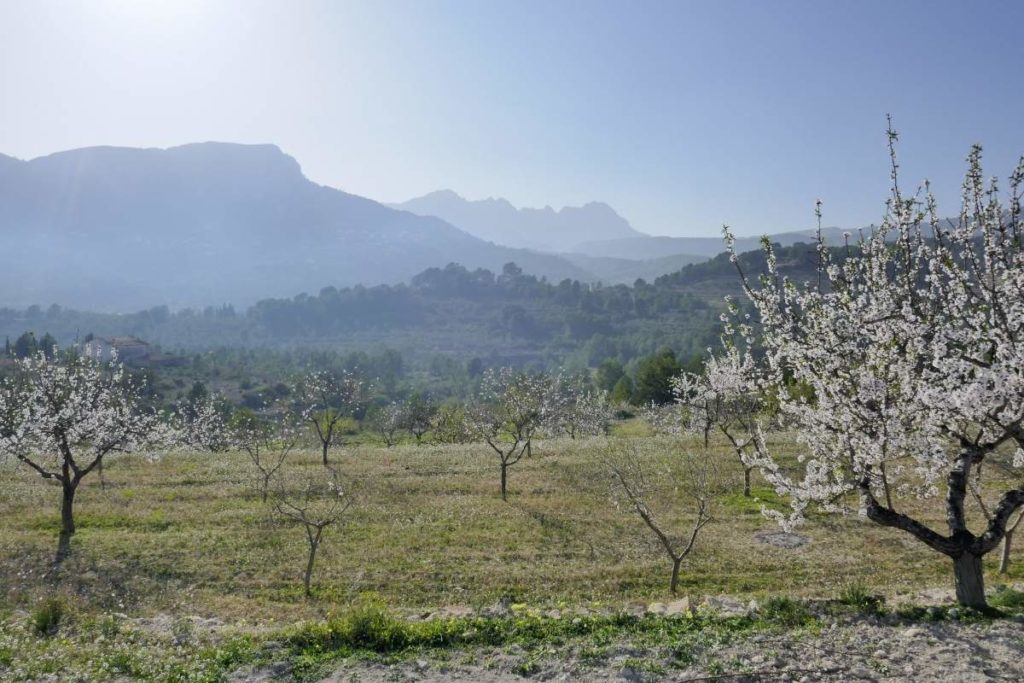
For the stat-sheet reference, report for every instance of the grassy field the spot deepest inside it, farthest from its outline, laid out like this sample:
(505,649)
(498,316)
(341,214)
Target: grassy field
(180,572)
(185,534)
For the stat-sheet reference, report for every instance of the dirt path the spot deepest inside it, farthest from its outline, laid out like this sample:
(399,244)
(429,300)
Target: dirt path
(861,650)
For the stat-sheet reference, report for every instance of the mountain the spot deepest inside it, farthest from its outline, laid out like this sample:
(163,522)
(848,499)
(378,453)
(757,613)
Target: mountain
(588,236)
(112,228)
(496,220)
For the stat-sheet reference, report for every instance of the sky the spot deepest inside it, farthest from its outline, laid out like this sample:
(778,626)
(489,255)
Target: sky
(681,115)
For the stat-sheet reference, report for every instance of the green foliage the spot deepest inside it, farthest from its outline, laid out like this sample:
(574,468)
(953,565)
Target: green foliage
(369,627)
(653,378)
(47,617)
(495,320)
(608,374)
(26,345)
(786,612)
(857,596)
(1007,598)
(622,392)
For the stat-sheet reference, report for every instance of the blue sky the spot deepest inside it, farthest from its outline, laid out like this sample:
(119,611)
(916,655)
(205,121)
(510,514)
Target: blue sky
(681,115)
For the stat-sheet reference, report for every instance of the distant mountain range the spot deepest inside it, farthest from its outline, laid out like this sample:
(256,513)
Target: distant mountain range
(110,228)
(588,235)
(496,220)
(118,229)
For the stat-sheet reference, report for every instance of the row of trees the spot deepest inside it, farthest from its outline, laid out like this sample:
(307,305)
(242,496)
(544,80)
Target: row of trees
(62,414)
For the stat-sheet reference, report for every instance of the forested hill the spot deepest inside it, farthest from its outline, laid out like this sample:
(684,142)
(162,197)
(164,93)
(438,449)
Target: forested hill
(509,317)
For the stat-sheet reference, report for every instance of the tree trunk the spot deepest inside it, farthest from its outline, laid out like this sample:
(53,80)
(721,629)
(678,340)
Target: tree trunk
(885,487)
(676,561)
(746,481)
(67,519)
(1004,558)
(326,445)
(504,481)
(309,567)
(970,581)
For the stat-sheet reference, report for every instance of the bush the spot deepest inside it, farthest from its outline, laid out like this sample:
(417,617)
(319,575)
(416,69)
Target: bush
(1008,598)
(47,617)
(786,612)
(856,595)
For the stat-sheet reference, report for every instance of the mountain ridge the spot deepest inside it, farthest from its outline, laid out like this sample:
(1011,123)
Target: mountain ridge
(497,220)
(121,228)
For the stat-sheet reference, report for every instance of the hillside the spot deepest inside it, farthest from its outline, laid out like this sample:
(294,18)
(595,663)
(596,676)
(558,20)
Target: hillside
(508,318)
(118,229)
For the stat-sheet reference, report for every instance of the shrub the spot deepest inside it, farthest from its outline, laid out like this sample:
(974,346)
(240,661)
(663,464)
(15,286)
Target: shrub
(47,617)
(856,595)
(786,612)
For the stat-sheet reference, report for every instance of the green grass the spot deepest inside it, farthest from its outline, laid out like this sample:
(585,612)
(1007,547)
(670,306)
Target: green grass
(88,649)
(184,534)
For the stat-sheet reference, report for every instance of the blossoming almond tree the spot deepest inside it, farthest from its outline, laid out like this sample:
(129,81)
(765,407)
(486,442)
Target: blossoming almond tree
(316,501)
(638,485)
(511,408)
(201,425)
(913,349)
(61,417)
(575,409)
(327,399)
(727,398)
(268,440)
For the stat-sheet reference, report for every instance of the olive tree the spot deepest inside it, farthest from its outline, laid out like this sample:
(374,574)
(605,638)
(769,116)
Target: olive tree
(450,425)
(62,415)
(418,415)
(911,343)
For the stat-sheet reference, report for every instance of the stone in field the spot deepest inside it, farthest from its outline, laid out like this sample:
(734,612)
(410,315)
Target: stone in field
(782,539)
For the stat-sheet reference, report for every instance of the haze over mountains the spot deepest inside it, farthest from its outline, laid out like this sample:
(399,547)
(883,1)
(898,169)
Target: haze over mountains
(119,229)
(588,235)
(498,221)
(122,228)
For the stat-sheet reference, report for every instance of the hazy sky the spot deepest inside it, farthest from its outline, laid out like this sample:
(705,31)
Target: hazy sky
(681,115)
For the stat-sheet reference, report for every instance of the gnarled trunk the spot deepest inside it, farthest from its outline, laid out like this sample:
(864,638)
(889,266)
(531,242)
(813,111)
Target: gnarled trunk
(969,578)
